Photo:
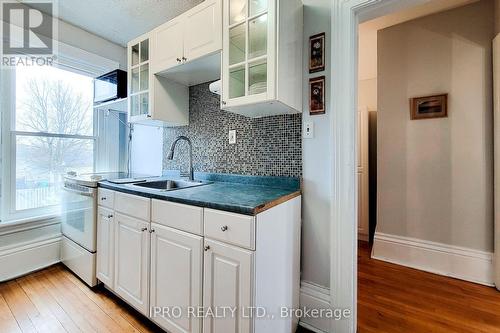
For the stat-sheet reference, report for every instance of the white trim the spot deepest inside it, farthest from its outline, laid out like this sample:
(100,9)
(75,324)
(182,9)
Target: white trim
(25,258)
(313,296)
(443,259)
(10,227)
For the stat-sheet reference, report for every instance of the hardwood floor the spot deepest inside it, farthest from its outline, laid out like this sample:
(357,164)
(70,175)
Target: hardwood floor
(54,300)
(393,298)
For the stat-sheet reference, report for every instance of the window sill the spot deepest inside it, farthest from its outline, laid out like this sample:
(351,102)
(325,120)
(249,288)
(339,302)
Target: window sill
(13,226)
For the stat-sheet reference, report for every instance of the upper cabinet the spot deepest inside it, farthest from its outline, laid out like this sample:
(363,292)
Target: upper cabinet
(153,99)
(187,49)
(262,57)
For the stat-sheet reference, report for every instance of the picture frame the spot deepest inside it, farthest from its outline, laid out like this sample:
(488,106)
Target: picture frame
(429,107)
(317,104)
(317,53)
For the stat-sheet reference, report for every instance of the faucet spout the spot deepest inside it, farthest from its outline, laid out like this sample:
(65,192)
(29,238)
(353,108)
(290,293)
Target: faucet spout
(170,155)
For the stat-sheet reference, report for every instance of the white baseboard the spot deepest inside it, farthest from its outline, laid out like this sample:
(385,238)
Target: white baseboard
(313,296)
(448,260)
(28,257)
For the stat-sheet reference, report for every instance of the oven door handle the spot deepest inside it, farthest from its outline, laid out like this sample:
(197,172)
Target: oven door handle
(87,194)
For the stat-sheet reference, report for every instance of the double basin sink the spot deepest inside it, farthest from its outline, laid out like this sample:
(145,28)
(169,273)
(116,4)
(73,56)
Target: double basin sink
(169,184)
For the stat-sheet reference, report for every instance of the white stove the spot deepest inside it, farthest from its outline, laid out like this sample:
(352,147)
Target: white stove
(79,220)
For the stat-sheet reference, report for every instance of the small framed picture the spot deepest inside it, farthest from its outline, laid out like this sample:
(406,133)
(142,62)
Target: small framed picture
(427,107)
(317,53)
(317,95)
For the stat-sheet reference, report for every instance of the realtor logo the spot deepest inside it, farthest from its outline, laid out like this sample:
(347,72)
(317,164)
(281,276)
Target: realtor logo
(26,30)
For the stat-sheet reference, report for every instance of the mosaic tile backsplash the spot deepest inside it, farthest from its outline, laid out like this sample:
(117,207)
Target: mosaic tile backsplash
(269,146)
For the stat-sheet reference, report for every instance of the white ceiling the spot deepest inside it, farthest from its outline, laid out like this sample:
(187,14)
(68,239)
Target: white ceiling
(119,20)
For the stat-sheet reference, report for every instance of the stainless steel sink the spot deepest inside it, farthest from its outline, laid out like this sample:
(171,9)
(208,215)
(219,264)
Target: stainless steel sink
(169,185)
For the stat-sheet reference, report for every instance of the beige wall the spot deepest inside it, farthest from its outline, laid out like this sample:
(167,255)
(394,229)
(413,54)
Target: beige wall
(316,165)
(435,176)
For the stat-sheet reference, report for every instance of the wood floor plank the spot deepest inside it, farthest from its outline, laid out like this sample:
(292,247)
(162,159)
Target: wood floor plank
(393,299)
(20,305)
(40,296)
(8,323)
(72,307)
(113,306)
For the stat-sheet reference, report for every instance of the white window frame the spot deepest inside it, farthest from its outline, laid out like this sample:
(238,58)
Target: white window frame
(68,58)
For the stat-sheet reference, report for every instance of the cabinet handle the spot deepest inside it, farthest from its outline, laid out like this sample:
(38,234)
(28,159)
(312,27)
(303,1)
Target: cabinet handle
(223,102)
(223,228)
(151,231)
(184,58)
(110,216)
(103,198)
(149,116)
(144,229)
(207,247)
(178,59)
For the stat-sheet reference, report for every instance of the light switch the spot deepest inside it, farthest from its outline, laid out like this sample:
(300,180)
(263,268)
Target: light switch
(308,130)
(232,137)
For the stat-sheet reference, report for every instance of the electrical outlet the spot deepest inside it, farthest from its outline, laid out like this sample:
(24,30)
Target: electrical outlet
(308,130)
(232,137)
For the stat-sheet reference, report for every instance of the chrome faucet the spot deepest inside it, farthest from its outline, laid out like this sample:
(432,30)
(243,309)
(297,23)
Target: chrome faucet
(170,155)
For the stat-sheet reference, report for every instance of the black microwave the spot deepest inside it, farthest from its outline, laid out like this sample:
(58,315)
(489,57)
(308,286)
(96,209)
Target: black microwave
(110,86)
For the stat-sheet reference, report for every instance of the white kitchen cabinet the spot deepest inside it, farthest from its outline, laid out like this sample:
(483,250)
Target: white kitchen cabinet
(176,277)
(228,282)
(132,247)
(105,246)
(168,45)
(262,57)
(187,48)
(153,99)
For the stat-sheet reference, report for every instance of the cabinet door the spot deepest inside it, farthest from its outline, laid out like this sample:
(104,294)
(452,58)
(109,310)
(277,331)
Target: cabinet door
(176,277)
(168,45)
(203,30)
(227,283)
(105,246)
(132,241)
(139,78)
(248,57)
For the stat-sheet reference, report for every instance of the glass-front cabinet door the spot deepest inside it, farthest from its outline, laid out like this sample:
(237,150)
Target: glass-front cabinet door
(249,51)
(139,80)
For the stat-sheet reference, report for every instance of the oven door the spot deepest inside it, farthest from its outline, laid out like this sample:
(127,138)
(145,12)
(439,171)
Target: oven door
(79,215)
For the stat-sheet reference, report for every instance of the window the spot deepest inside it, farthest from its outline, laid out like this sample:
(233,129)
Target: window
(52,133)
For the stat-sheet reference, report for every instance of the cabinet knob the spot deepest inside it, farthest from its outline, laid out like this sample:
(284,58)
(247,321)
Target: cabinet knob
(223,228)
(144,229)
(151,231)
(223,102)
(103,198)
(110,216)
(178,59)
(149,116)
(207,247)
(184,58)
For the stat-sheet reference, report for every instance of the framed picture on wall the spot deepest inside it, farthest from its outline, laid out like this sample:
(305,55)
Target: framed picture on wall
(427,107)
(317,95)
(317,53)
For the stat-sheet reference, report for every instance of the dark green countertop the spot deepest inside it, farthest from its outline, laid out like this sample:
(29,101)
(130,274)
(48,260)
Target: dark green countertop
(245,197)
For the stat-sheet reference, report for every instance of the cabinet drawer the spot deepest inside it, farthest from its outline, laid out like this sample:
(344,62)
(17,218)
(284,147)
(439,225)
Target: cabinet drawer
(230,228)
(178,216)
(106,198)
(133,205)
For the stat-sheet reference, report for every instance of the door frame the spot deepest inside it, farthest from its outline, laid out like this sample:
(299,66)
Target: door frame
(346,15)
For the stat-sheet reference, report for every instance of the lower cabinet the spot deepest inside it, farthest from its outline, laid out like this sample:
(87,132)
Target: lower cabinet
(176,278)
(105,246)
(228,272)
(132,242)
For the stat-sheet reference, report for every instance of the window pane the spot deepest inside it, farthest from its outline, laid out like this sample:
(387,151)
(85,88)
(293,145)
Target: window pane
(49,99)
(42,162)
(257,6)
(237,47)
(237,11)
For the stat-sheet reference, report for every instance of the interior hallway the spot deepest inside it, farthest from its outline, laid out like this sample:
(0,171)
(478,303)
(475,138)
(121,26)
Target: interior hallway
(393,298)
